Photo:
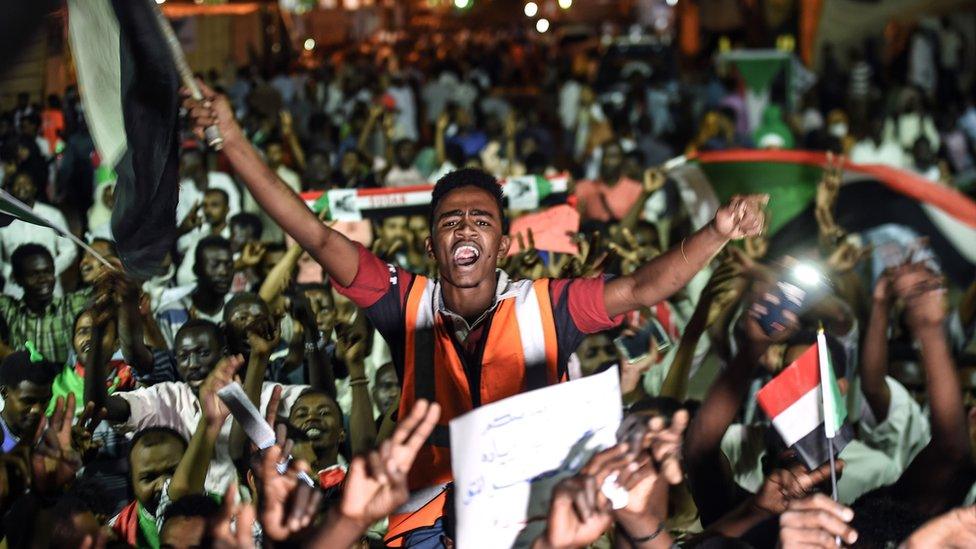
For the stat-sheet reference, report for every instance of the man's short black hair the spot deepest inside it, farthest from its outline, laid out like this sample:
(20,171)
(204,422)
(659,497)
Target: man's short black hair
(221,192)
(17,368)
(155,430)
(237,300)
(209,242)
(468,177)
(249,221)
(202,324)
(25,252)
(192,505)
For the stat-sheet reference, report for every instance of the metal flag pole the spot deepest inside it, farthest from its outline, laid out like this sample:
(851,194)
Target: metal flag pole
(212,134)
(833,477)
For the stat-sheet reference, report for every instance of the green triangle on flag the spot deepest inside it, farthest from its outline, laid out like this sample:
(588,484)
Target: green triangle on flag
(834,407)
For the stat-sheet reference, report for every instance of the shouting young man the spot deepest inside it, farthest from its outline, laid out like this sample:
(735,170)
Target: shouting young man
(471,336)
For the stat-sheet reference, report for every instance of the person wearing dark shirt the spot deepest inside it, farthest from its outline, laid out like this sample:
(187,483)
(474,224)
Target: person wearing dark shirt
(471,336)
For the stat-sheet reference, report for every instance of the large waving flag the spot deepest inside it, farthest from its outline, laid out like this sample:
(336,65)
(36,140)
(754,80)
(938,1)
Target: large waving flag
(523,193)
(806,407)
(129,88)
(870,196)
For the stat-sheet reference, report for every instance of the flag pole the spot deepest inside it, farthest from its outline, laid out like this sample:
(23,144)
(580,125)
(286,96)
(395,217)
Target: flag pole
(212,134)
(62,231)
(830,430)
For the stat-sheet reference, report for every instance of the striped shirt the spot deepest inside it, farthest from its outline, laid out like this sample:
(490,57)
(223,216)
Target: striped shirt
(51,331)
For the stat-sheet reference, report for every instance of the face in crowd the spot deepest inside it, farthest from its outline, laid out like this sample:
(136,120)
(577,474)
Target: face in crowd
(153,458)
(83,342)
(317,418)
(466,238)
(197,352)
(90,266)
(215,207)
(23,406)
(244,313)
(216,269)
(386,387)
(323,308)
(35,274)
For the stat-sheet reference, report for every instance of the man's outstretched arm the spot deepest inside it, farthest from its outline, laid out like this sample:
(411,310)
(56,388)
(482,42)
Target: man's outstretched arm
(671,271)
(336,253)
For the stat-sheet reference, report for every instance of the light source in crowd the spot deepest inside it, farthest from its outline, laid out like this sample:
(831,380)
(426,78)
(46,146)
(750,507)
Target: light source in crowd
(542,25)
(806,274)
(160,1)
(309,44)
(565,4)
(672,3)
(461,4)
(531,8)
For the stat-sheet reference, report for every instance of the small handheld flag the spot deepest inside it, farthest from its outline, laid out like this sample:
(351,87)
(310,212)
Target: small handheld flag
(795,402)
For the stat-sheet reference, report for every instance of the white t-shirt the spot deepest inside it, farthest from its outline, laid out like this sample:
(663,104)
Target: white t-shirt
(190,196)
(18,233)
(173,405)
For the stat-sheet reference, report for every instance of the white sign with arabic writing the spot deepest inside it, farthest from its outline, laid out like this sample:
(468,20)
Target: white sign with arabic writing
(508,455)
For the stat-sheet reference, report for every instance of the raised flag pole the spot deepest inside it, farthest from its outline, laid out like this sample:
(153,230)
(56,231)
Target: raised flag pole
(212,134)
(827,400)
(28,211)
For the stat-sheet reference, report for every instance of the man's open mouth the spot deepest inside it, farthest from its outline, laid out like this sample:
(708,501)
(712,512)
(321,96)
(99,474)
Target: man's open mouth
(466,255)
(315,430)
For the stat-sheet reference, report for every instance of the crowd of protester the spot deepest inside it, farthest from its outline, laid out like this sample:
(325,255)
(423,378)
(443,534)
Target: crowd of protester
(112,431)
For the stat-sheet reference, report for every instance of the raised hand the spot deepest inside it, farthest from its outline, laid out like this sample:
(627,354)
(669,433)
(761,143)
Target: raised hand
(827,192)
(630,251)
(222,534)
(214,410)
(251,255)
(263,338)
(743,216)
(815,521)
(55,461)
(376,484)
(579,512)
(846,256)
(288,505)
(212,109)
(654,179)
(784,486)
(923,292)
(647,502)
(84,428)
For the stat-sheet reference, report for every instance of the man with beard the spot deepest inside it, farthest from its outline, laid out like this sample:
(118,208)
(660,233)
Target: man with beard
(214,269)
(471,336)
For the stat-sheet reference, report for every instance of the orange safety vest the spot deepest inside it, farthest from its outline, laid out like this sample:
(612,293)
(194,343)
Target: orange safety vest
(520,354)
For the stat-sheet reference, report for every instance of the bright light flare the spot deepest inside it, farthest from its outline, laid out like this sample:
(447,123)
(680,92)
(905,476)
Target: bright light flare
(565,4)
(807,275)
(531,9)
(309,44)
(542,25)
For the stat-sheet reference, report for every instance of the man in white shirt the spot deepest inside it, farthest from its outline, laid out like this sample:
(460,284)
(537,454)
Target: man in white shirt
(175,404)
(19,232)
(194,182)
(876,149)
(216,213)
